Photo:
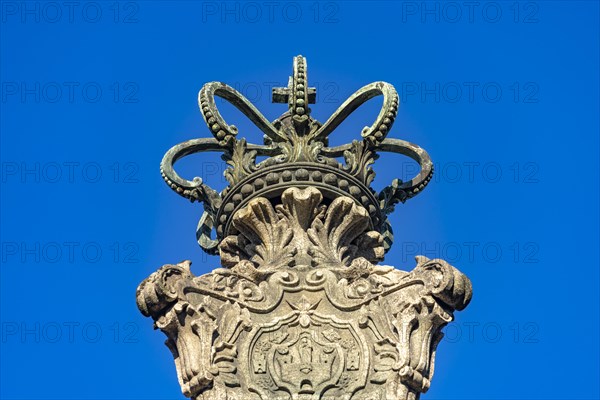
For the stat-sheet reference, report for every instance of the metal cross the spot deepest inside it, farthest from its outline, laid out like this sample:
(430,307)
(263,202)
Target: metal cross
(282,94)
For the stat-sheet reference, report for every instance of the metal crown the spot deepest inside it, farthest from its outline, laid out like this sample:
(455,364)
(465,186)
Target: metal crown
(296,147)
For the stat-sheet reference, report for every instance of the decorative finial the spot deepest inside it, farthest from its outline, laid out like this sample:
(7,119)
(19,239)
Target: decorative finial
(296,147)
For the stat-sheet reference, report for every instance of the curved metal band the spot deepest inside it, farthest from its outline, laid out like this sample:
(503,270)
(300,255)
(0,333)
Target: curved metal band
(382,125)
(194,190)
(217,125)
(398,190)
(189,189)
(414,186)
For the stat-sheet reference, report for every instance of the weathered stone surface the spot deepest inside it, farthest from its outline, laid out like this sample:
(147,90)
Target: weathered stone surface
(301,309)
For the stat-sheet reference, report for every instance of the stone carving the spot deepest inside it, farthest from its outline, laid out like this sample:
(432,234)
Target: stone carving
(300,308)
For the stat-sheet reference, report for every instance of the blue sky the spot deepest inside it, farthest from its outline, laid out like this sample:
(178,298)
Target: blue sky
(503,96)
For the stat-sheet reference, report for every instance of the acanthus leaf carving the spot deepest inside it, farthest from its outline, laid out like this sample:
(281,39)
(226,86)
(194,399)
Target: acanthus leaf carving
(359,158)
(340,233)
(301,230)
(241,162)
(267,239)
(299,208)
(321,318)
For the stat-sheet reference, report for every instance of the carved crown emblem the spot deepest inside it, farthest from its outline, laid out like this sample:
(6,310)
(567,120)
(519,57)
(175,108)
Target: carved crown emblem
(301,309)
(297,154)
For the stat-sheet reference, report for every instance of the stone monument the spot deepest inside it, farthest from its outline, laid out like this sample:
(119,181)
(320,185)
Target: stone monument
(301,309)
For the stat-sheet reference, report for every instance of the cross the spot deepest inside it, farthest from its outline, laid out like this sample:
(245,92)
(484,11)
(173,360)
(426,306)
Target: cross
(282,94)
